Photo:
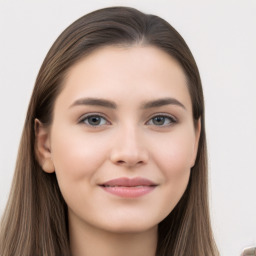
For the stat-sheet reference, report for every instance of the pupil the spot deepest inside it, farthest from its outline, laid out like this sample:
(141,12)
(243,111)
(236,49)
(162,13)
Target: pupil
(94,120)
(159,120)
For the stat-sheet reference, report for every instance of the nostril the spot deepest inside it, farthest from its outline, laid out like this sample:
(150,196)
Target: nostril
(132,163)
(120,162)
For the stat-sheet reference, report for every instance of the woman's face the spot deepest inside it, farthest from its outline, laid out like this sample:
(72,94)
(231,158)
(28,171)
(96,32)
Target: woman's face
(123,140)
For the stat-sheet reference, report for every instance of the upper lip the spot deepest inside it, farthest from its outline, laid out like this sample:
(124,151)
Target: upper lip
(129,182)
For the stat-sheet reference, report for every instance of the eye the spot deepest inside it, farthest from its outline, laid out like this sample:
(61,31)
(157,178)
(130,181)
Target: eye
(162,120)
(94,120)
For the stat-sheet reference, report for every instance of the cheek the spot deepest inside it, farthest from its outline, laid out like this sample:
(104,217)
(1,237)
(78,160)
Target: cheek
(176,172)
(173,158)
(76,157)
(174,154)
(175,168)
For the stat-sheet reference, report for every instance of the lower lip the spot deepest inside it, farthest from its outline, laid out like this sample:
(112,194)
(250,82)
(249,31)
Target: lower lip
(129,192)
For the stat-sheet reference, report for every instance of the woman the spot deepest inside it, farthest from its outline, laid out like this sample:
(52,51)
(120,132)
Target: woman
(112,159)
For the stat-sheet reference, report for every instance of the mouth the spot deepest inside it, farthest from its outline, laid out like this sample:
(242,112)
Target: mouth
(129,188)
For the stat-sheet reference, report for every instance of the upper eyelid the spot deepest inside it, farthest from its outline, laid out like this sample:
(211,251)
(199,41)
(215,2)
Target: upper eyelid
(164,115)
(84,116)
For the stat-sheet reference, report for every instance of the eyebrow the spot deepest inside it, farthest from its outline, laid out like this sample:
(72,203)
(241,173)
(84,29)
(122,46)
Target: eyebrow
(112,105)
(162,102)
(95,102)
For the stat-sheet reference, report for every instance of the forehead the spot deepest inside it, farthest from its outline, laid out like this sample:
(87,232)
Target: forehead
(118,73)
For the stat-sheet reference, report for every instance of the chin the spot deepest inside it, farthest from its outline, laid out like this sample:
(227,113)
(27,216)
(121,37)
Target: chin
(130,224)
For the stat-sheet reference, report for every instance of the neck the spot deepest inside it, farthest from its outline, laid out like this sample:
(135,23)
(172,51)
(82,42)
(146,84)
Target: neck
(86,240)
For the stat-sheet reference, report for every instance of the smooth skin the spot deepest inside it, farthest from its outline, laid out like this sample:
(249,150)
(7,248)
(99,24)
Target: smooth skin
(123,112)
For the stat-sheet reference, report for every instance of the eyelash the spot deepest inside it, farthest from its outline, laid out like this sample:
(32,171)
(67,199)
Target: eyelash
(84,120)
(172,120)
(86,117)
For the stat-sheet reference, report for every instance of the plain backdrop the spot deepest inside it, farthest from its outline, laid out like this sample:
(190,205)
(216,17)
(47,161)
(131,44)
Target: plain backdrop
(222,38)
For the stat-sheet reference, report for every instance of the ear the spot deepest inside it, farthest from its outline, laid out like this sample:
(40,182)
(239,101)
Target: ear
(197,138)
(42,147)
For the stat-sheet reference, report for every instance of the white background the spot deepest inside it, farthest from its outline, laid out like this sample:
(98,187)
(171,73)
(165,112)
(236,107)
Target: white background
(222,37)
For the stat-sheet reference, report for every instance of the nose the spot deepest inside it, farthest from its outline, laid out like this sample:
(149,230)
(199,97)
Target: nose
(129,148)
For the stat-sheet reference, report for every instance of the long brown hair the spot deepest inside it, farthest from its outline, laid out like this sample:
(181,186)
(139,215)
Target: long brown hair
(35,219)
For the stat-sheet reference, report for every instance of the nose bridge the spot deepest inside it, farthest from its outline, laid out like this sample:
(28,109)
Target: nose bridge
(129,148)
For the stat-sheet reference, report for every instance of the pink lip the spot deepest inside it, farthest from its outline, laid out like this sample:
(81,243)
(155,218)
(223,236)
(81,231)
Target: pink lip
(129,188)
